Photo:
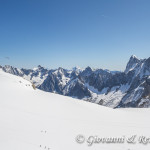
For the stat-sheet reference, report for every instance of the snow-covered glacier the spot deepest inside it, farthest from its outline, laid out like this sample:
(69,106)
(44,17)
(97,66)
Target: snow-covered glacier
(31,119)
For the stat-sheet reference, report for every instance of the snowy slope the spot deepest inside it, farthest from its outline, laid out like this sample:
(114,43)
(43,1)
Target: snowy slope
(35,120)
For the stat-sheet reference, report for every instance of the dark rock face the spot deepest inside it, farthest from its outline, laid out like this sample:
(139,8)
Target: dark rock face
(51,84)
(117,80)
(130,88)
(12,70)
(27,71)
(132,63)
(79,91)
(139,86)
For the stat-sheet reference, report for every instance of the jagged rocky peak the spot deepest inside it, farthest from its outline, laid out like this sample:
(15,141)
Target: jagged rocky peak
(8,68)
(39,70)
(12,70)
(88,70)
(39,67)
(101,71)
(60,71)
(133,61)
(76,69)
(147,62)
(133,57)
(146,67)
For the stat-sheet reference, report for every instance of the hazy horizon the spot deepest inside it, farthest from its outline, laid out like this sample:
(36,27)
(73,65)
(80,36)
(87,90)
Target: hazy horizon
(71,67)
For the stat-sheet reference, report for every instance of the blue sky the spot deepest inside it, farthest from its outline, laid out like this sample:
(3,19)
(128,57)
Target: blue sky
(68,33)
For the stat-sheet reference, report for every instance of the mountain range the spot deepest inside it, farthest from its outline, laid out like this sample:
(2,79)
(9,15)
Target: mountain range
(37,120)
(130,88)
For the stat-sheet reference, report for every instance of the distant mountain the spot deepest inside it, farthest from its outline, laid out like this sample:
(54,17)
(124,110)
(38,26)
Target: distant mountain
(130,88)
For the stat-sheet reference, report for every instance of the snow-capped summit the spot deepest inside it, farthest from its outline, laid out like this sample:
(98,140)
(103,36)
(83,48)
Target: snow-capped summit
(88,70)
(134,56)
(12,70)
(133,61)
(39,67)
(77,69)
